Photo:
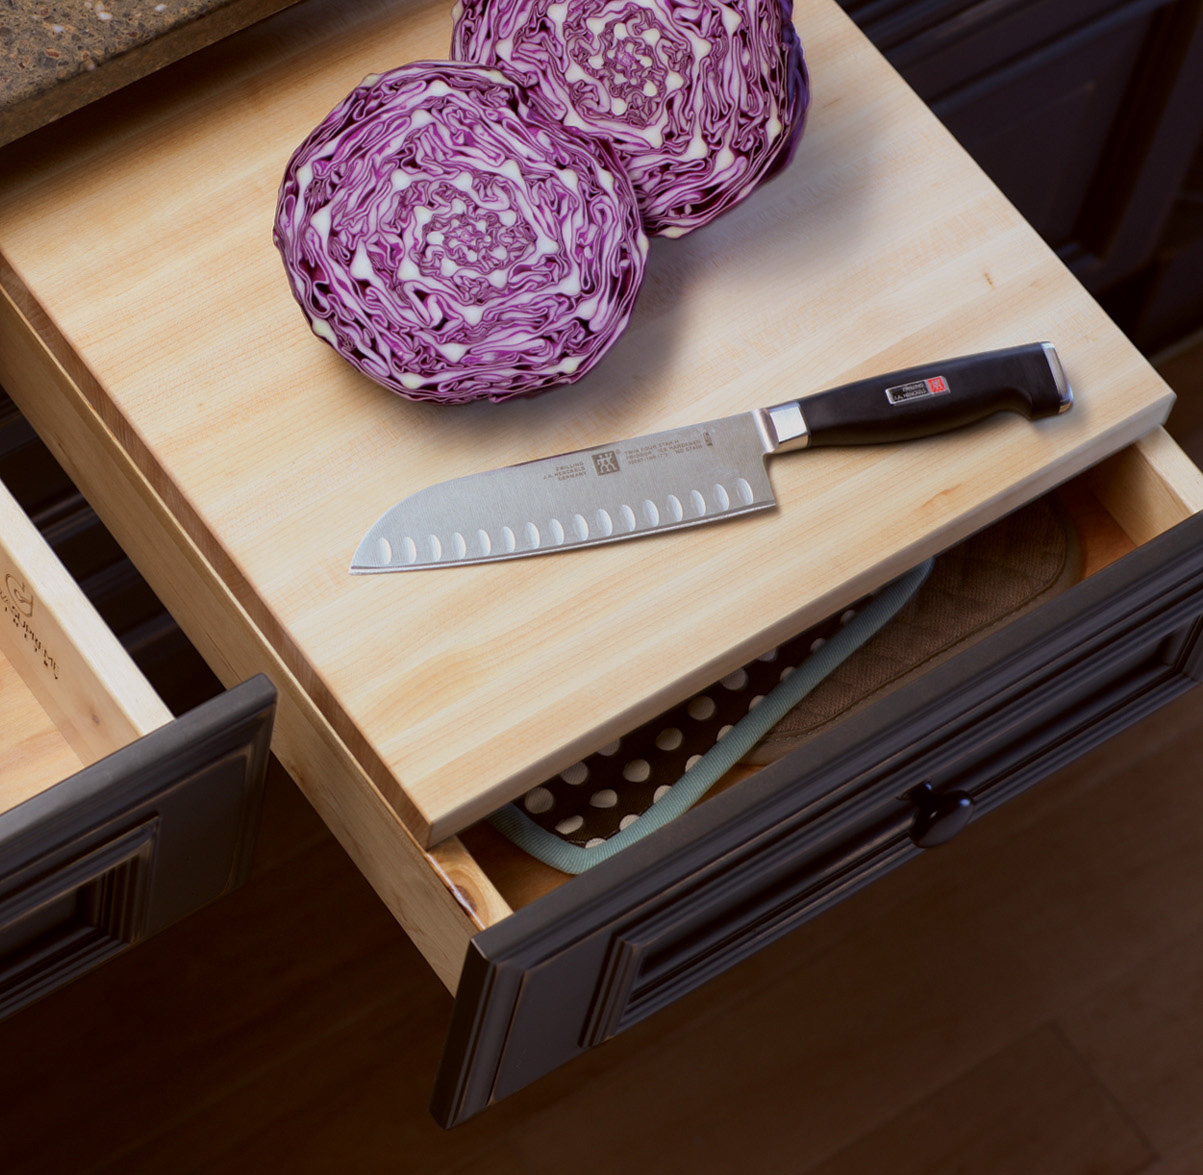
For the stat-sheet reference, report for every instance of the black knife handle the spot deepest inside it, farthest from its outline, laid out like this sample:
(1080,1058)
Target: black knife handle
(936,397)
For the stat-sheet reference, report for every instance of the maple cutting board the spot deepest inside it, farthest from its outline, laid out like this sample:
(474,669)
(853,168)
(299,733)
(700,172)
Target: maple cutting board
(137,238)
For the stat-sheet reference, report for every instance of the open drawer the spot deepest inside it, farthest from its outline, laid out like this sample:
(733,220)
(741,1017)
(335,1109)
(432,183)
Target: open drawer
(116,819)
(582,959)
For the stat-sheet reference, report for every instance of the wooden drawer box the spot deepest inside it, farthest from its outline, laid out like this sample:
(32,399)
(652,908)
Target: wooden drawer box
(238,463)
(116,819)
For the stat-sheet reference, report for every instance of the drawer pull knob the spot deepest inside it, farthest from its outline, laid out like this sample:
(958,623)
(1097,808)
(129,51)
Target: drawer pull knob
(938,816)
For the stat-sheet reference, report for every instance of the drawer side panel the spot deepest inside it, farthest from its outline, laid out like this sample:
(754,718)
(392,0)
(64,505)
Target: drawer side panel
(64,652)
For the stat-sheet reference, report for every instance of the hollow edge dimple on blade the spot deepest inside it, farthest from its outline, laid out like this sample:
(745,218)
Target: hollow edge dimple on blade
(611,524)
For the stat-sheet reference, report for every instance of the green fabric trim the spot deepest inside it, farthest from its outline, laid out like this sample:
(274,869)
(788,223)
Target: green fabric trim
(532,838)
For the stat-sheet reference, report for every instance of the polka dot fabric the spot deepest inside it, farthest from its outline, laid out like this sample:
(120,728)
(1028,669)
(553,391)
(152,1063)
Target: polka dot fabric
(610,790)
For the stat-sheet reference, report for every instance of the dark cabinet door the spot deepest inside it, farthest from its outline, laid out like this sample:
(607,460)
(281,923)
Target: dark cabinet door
(1086,113)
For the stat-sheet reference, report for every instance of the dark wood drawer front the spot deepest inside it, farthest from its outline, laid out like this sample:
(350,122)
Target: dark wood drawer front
(1102,669)
(124,848)
(1060,118)
(670,951)
(635,933)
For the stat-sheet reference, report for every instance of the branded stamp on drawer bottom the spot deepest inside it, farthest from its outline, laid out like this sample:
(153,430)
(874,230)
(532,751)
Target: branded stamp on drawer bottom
(17,603)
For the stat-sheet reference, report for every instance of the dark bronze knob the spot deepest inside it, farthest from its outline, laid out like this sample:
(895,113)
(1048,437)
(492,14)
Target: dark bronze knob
(939,816)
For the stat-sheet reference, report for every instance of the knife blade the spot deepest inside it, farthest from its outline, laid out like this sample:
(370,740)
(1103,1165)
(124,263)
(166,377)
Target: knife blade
(699,473)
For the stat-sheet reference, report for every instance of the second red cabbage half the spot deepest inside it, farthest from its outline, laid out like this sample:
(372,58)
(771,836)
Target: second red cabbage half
(703,100)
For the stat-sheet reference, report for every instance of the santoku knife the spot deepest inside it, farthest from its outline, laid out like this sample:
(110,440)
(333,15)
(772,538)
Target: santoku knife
(699,473)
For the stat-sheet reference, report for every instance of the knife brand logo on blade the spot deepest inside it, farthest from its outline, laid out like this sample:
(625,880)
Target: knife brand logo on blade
(698,474)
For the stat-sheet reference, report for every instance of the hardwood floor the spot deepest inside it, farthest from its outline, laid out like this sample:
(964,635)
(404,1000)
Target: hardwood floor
(1025,1000)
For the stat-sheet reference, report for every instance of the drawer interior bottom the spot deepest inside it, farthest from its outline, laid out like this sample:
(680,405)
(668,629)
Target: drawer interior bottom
(34,752)
(1095,538)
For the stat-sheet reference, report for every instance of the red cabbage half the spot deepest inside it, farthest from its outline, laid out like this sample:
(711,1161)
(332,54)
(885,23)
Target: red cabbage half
(453,241)
(703,100)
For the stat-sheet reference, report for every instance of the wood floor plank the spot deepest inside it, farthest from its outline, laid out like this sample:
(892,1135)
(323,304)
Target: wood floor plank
(364,1124)
(1187,1162)
(1032,1108)
(1143,1036)
(289,826)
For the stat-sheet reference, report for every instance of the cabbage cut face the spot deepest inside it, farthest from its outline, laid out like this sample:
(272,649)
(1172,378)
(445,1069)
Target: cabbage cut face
(453,241)
(703,100)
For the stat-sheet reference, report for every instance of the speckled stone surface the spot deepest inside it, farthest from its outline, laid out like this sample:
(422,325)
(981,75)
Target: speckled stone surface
(58,56)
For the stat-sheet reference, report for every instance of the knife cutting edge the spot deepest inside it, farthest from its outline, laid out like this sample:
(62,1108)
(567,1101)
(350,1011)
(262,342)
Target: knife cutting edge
(699,473)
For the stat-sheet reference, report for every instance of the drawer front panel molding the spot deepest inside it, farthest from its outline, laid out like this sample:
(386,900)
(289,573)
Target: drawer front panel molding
(127,846)
(635,933)
(1088,114)
(55,927)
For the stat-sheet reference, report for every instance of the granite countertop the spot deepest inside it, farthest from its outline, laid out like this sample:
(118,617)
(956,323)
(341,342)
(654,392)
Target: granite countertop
(56,57)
